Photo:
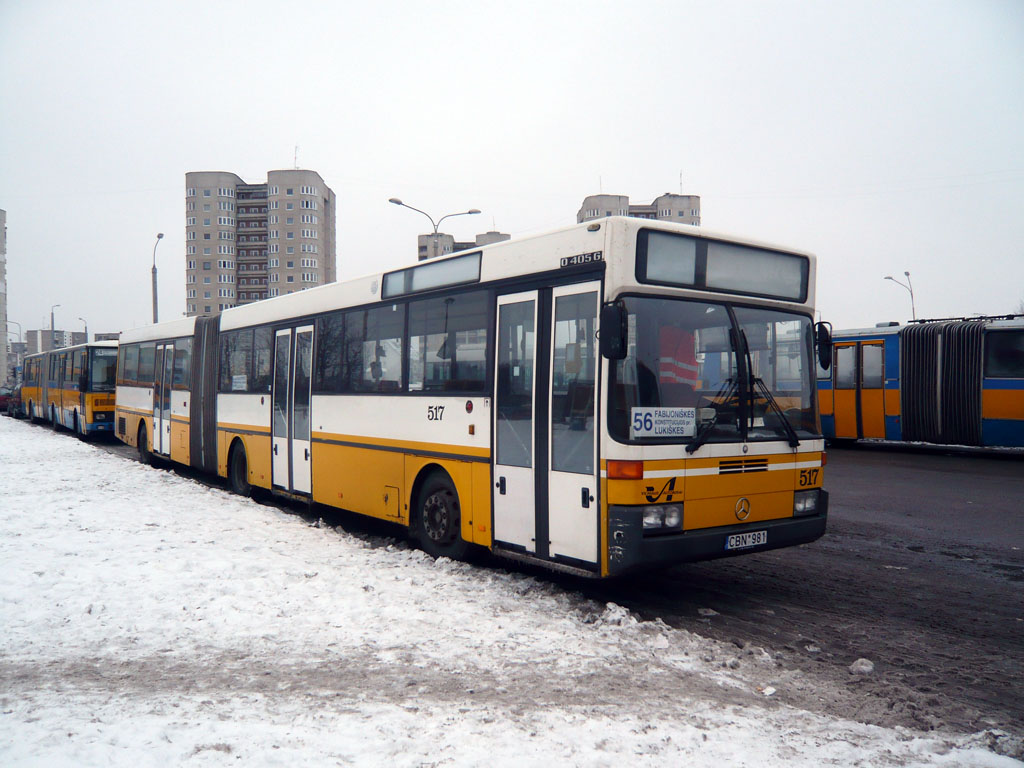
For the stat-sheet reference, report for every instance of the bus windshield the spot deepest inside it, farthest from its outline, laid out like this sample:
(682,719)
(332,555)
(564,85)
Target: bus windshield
(712,372)
(103,368)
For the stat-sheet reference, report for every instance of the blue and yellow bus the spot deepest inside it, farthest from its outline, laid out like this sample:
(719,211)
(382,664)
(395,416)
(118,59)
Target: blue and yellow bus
(72,387)
(949,382)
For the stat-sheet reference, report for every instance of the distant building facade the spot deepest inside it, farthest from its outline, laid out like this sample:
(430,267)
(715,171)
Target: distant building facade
(15,359)
(44,339)
(3,296)
(446,244)
(682,209)
(245,242)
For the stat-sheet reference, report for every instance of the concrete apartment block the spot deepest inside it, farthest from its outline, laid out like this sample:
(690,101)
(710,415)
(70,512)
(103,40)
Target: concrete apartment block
(682,209)
(246,242)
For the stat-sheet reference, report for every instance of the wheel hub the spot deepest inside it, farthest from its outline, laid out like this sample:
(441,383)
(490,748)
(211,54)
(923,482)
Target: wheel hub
(436,518)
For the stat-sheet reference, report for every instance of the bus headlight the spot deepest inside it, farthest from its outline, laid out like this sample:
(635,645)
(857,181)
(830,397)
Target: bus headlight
(663,518)
(805,503)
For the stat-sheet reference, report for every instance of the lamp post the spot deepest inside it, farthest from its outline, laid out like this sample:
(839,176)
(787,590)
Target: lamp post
(53,336)
(437,223)
(159,237)
(910,287)
(12,322)
(86,324)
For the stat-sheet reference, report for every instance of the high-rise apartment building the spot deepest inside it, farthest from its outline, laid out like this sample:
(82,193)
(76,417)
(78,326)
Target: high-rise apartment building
(245,242)
(682,209)
(441,244)
(43,339)
(3,295)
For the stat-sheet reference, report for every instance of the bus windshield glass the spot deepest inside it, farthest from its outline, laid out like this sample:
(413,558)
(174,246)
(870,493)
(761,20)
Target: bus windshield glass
(697,371)
(103,368)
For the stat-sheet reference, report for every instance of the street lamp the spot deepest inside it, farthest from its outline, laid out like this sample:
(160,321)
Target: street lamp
(12,322)
(86,329)
(159,237)
(53,336)
(910,287)
(436,224)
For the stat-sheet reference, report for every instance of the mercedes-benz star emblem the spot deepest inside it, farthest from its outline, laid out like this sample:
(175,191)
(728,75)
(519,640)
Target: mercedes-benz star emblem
(742,508)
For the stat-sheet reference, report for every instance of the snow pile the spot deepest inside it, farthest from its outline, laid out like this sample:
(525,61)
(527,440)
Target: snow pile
(148,620)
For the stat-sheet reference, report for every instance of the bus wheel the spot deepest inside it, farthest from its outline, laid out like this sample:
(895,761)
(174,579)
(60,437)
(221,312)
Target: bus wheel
(238,472)
(438,521)
(145,455)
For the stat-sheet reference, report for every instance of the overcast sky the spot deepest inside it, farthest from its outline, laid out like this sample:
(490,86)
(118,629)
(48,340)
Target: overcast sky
(882,136)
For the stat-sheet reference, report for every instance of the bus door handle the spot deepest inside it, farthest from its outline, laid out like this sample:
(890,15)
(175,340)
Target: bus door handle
(275,449)
(586,498)
(500,485)
(307,454)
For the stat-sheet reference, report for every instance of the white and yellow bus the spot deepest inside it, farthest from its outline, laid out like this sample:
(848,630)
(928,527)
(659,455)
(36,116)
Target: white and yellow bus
(615,396)
(72,387)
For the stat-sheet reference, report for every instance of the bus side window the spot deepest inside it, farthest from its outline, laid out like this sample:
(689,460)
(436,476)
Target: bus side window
(147,364)
(1004,354)
(131,363)
(846,367)
(262,360)
(236,360)
(329,355)
(183,363)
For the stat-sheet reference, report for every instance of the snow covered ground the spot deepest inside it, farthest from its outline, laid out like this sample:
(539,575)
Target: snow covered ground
(146,619)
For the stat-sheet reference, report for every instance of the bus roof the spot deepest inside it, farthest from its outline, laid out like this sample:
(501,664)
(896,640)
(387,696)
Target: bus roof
(505,259)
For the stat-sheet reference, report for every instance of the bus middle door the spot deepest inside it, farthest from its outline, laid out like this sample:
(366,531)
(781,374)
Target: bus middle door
(291,439)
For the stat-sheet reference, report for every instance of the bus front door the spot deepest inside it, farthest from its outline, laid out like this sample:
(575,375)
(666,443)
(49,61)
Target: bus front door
(545,408)
(291,463)
(163,373)
(572,478)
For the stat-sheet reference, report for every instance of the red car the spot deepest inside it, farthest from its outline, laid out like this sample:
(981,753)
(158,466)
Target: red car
(10,401)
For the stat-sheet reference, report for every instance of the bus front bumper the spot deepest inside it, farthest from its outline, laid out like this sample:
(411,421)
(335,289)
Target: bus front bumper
(629,550)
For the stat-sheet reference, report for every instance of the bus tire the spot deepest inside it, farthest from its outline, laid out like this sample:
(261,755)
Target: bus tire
(438,523)
(145,455)
(238,471)
(82,433)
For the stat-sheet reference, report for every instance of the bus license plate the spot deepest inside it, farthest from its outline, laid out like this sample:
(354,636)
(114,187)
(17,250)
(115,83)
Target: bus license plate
(744,540)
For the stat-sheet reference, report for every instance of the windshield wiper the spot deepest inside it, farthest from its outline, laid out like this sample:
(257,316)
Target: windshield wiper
(725,393)
(794,440)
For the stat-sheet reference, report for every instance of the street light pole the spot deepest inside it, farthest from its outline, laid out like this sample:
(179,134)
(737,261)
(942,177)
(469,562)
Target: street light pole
(86,329)
(159,237)
(436,224)
(12,322)
(53,337)
(910,287)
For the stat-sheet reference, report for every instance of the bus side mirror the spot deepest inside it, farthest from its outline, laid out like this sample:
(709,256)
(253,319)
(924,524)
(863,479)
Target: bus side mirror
(823,340)
(614,333)
(83,383)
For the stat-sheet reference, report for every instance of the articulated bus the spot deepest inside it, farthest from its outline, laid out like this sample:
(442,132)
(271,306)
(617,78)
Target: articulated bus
(615,396)
(952,382)
(72,387)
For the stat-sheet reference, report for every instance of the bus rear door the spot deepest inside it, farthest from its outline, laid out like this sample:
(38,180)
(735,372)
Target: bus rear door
(163,375)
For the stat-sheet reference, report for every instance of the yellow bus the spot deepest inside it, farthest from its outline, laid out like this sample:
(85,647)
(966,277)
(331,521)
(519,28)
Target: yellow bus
(615,396)
(72,387)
